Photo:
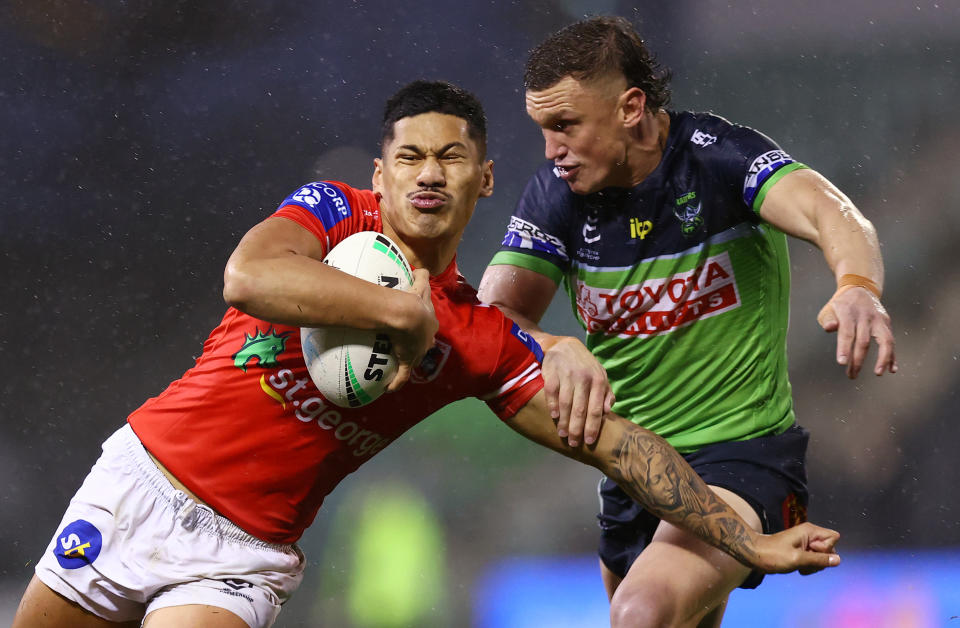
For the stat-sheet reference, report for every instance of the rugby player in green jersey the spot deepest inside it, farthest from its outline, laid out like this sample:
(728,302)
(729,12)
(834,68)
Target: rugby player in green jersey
(667,230)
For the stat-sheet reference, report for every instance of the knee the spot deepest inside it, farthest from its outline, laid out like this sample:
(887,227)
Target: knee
(649,607)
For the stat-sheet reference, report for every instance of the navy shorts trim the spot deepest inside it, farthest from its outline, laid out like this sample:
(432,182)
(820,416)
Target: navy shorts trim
(769,473)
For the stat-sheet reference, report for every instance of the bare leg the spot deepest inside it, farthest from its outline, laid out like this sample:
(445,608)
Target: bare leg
(678,580)
(193,616)
(42,607)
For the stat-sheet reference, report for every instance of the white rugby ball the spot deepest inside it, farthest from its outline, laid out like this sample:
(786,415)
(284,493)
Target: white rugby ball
(352,367)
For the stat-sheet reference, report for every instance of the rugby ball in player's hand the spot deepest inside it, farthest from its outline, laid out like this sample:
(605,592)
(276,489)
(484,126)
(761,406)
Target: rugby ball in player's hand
(352,367)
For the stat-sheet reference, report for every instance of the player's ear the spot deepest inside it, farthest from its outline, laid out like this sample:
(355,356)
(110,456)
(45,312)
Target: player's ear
(486,184)
(378,175)
(632,105)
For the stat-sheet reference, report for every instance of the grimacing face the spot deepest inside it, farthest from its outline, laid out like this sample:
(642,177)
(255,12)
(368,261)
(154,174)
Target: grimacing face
(583,131)
(430,176)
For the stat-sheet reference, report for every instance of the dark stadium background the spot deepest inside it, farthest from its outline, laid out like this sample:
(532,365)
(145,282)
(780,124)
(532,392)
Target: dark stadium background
(140,139)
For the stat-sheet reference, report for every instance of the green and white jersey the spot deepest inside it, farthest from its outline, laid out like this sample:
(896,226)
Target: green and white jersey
(682,290)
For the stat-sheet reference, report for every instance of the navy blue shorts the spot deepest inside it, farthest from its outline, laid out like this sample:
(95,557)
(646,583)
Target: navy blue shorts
(768,472)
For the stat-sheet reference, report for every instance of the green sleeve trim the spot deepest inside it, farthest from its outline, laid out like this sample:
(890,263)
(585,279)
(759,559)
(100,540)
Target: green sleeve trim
(776,176)
(530,262)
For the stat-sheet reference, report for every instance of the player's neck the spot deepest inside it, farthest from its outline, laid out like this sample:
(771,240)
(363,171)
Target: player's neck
(432,254)
(647,149)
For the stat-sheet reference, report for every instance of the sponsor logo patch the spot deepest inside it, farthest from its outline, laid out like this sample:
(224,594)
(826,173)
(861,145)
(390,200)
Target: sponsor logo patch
(640,228)
(760,170)
(284,386)
(300,396)
(78,545)
(702,139)
(528,340)
(526,235)
(326,202)
(236,586)
(659,306)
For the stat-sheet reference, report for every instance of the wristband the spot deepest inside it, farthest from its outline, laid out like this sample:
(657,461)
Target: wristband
(850,280)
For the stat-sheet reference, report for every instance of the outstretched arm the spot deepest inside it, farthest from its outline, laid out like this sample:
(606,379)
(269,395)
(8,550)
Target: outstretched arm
(578,392)
(806,205)
(656,476)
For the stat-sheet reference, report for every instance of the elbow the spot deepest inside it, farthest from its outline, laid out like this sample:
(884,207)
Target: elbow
(238,285)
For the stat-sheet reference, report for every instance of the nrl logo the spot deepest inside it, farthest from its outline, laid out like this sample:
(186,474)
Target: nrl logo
(688,214)
(265,347)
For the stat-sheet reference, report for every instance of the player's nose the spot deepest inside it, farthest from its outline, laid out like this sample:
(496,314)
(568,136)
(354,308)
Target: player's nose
(431,173)
(553,148)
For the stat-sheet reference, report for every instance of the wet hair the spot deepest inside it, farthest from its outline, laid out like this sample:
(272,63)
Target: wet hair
(435,97)
(596,47)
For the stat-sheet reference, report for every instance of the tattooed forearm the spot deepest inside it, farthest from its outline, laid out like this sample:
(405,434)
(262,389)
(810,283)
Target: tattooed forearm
(654,474)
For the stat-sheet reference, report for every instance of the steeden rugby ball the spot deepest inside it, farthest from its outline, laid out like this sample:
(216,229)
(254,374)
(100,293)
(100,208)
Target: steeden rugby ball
(352,367)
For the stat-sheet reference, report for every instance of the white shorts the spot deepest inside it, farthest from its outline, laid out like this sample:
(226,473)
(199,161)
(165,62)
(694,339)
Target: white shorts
(131,543)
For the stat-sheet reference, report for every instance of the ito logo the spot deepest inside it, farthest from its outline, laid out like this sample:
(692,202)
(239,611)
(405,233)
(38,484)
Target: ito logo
(78,545)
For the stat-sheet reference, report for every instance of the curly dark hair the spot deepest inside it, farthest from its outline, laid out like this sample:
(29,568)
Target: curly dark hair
(435,97)
(595,47)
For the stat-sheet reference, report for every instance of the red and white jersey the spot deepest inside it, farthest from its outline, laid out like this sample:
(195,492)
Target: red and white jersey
(246,430)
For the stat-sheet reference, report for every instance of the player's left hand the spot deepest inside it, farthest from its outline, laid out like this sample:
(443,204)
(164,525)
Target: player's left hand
(806,548)
(578,392)
(857,316)
(412,343)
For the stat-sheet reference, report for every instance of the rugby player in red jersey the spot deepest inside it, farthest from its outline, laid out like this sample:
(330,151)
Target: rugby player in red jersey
(191,515)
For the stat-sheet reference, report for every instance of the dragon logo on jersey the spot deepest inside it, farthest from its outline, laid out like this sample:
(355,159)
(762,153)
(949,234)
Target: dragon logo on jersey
(265,347)
(688,214)
(294,392)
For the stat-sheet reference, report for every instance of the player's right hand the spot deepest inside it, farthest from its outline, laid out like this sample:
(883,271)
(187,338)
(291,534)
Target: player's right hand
(577,390)
(413,341)
(806,548)
(856,315)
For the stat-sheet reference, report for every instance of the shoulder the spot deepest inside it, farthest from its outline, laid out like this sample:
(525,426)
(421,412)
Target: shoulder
(546,185)
(331,201)
(546,201)
(331,210)
(701,131)
(719,143)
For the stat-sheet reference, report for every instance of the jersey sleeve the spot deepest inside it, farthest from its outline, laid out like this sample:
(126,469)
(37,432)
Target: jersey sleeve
(534,238)
(330,210)
(517,372)
(753,162)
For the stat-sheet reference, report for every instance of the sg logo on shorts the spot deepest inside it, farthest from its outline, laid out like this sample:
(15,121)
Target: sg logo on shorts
(78,545)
